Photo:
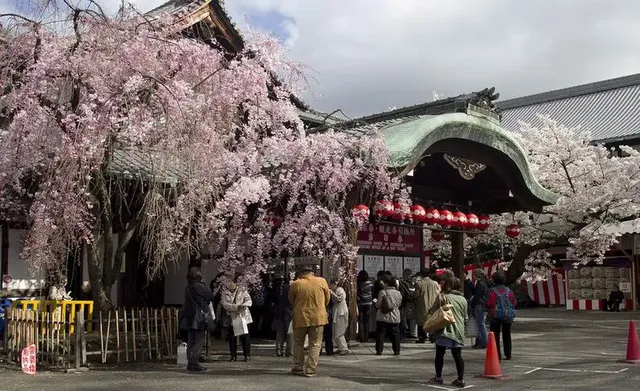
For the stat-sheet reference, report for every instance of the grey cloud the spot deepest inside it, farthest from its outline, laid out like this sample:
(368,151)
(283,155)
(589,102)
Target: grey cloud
(370,55)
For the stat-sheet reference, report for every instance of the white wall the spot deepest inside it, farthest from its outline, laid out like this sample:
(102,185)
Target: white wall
(23,281)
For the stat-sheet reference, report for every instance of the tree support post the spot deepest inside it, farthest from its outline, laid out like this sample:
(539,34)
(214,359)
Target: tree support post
(351,285)
(457,254)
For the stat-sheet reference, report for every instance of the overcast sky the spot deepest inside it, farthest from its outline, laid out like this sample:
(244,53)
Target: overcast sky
(369,55)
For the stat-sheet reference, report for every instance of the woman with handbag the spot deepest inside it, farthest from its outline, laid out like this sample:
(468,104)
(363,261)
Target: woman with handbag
(236,302)
(451,309)
(193,316)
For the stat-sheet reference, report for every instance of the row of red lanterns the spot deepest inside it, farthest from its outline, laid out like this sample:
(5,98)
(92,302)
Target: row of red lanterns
(386,209)
(417,213)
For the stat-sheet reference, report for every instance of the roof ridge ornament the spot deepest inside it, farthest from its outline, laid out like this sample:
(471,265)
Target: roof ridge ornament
(466,168)
(481,104)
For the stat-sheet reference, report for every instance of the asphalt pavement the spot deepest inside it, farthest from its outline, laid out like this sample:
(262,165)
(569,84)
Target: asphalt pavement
(553,350)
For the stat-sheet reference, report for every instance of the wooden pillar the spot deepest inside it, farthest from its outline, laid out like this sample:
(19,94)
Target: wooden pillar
(457,253)
(4,252)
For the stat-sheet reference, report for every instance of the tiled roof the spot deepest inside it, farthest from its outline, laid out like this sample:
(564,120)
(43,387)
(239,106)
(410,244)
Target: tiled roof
(135,163)
(181,10)
(317,117)
(609,110)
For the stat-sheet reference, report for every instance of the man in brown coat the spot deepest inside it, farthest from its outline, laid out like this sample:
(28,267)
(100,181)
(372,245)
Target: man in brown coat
(309,297)
(427,291)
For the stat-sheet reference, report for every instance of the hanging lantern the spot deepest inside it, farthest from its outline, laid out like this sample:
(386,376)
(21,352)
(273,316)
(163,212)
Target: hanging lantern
(418,213)
(472,221)
(437,235)
(360,213)
(446,218)
(401,212)
(513,231)
(432,216)
(274,220)
(383,209)
(483,222)
(459,220)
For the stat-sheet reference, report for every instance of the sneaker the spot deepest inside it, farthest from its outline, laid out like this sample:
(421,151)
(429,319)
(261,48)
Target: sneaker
(197,368)
(436,380)
(297,371)
(458,383)
(310,374)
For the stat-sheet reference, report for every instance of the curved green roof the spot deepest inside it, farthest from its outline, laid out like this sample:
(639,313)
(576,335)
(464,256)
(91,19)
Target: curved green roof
(408,141)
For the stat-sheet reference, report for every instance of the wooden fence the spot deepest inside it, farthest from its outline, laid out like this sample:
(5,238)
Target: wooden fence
(138,334)
(49,332)
(120,335)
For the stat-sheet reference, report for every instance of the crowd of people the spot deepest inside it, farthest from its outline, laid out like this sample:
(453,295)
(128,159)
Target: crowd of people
(302,313)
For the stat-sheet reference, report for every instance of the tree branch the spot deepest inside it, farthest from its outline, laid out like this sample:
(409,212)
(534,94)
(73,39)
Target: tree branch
(124,238)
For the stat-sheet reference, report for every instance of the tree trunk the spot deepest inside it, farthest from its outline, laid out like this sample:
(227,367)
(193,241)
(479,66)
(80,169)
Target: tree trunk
(101,296)
(104,266)
(517,266)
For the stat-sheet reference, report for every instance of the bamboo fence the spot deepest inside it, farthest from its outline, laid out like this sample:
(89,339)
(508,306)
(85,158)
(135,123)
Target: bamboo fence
(120,335)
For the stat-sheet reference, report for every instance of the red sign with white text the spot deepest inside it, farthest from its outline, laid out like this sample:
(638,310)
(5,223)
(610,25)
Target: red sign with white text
(28,360)
(390,237)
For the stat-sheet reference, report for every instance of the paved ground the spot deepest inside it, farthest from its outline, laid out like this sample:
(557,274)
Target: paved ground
(553,350)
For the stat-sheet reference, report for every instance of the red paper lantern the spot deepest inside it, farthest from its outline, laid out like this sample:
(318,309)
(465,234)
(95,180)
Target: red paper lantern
(513,231)
(432,216)
(274,220)
(446,218)
(459,220)
(401,212)
(483,222)
(437,235)
(418,213)
(383,209)
(472,221)
(360,213)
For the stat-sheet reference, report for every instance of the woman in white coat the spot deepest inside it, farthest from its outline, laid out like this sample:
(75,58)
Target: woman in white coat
(236,302)
(340,318)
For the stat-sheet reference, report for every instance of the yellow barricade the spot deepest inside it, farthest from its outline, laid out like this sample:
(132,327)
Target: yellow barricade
(60,308)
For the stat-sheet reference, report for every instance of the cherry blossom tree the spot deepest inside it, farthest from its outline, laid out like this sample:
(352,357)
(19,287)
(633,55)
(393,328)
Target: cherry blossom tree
(121,128)
(597,187)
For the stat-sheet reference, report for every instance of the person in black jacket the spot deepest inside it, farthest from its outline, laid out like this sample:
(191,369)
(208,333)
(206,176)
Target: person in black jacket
(279,300)
(196,302)
(481,292)
(365,303)
(615,299)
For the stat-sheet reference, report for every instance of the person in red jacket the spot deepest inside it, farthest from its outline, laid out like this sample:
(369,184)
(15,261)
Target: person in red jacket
(501,306)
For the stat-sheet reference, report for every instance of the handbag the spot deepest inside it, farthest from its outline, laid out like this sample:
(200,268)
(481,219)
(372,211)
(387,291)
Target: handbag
(239,326)
(440,319)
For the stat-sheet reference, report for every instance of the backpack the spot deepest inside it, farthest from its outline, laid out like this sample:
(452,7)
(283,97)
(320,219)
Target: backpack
(385,306)
(504,310)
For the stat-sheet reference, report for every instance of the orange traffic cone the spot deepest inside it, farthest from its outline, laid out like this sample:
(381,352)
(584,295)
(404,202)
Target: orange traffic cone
(633,348)
(491,362)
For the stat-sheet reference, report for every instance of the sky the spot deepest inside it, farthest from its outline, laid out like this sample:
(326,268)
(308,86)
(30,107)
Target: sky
(366,56)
